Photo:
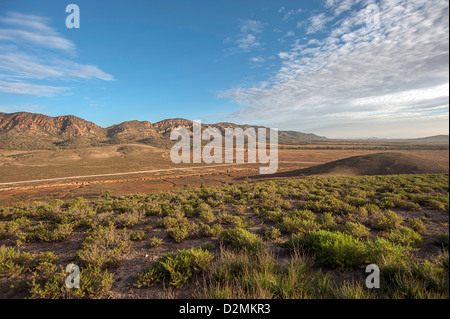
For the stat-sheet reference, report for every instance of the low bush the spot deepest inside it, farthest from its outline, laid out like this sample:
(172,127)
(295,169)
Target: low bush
(327,221)
(416,224)
(388,220)
(270,233)
(175,269)
(340,250)
(404,236)
(103,246)
(206,216)
(49,283)
(213,230)
(356,229)
(137,235)
(47,233)
(234,221)
(297,225)
(13,262)
(183,231)
(169,222)
(334,249)
(241,239)
(155,242)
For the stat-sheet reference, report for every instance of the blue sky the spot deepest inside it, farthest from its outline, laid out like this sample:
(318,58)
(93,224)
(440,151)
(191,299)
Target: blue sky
(339,68)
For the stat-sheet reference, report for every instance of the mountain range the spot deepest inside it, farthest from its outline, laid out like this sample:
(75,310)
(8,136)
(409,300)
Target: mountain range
(23,130)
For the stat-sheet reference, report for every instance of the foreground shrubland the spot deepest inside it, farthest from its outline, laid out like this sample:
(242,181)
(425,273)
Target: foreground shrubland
(292,238)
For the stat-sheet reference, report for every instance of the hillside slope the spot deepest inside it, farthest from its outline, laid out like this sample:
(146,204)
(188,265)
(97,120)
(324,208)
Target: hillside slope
(371,164)
(24,130)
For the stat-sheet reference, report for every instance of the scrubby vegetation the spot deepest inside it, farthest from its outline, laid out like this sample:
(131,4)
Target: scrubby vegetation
(291,238)
(176,268)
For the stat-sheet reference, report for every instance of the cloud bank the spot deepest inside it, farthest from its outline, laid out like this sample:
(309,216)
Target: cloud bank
(361,67)
(32,54)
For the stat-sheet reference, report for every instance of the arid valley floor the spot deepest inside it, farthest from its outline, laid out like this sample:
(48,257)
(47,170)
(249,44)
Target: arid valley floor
(150,209)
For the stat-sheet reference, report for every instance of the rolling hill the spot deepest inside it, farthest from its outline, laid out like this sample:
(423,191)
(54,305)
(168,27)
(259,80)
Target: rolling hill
(372,164)
(24,130)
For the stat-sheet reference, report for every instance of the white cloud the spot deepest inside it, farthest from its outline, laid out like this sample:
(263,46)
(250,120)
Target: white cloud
(291,13)
(357,73)
(34,30)
(317,23)
(257,59)
(248,38)
(251,26)
(30,89)
(44,40)
(340,6)
(32,50)
(247,42)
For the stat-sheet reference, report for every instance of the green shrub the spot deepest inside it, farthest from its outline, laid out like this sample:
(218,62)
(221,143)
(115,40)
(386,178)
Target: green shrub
(404,236)
(416,224)
(437,204)
(274,216)
(127,220)
(13,262)
(49,283)
(334,249)
(356,229)
(361,213)
(206,216)
(103,246)
(155,242)
(202,208)
(175,268)
(239,275)
(239,209)
(297,225)
(213,230)
(302,221)
(13,226)
(388,220)
(340,250)
(169,222)
(137,235)
(47,233)
(443,259)
(240,238)
(235,221)
(414,280)
(183,231)
(327,221)
(270,233)
(384,251)
(372,209)
(45,279)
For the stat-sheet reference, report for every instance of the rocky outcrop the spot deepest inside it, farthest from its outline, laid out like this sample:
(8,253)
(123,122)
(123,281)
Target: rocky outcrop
(31,131)
(22,124)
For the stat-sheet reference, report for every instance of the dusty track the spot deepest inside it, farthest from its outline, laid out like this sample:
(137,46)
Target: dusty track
(141,172)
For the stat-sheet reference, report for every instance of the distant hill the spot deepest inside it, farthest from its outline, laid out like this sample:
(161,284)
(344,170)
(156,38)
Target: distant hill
(372,164)
(24,130)
(428,139)
(432,139)
(34,131)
